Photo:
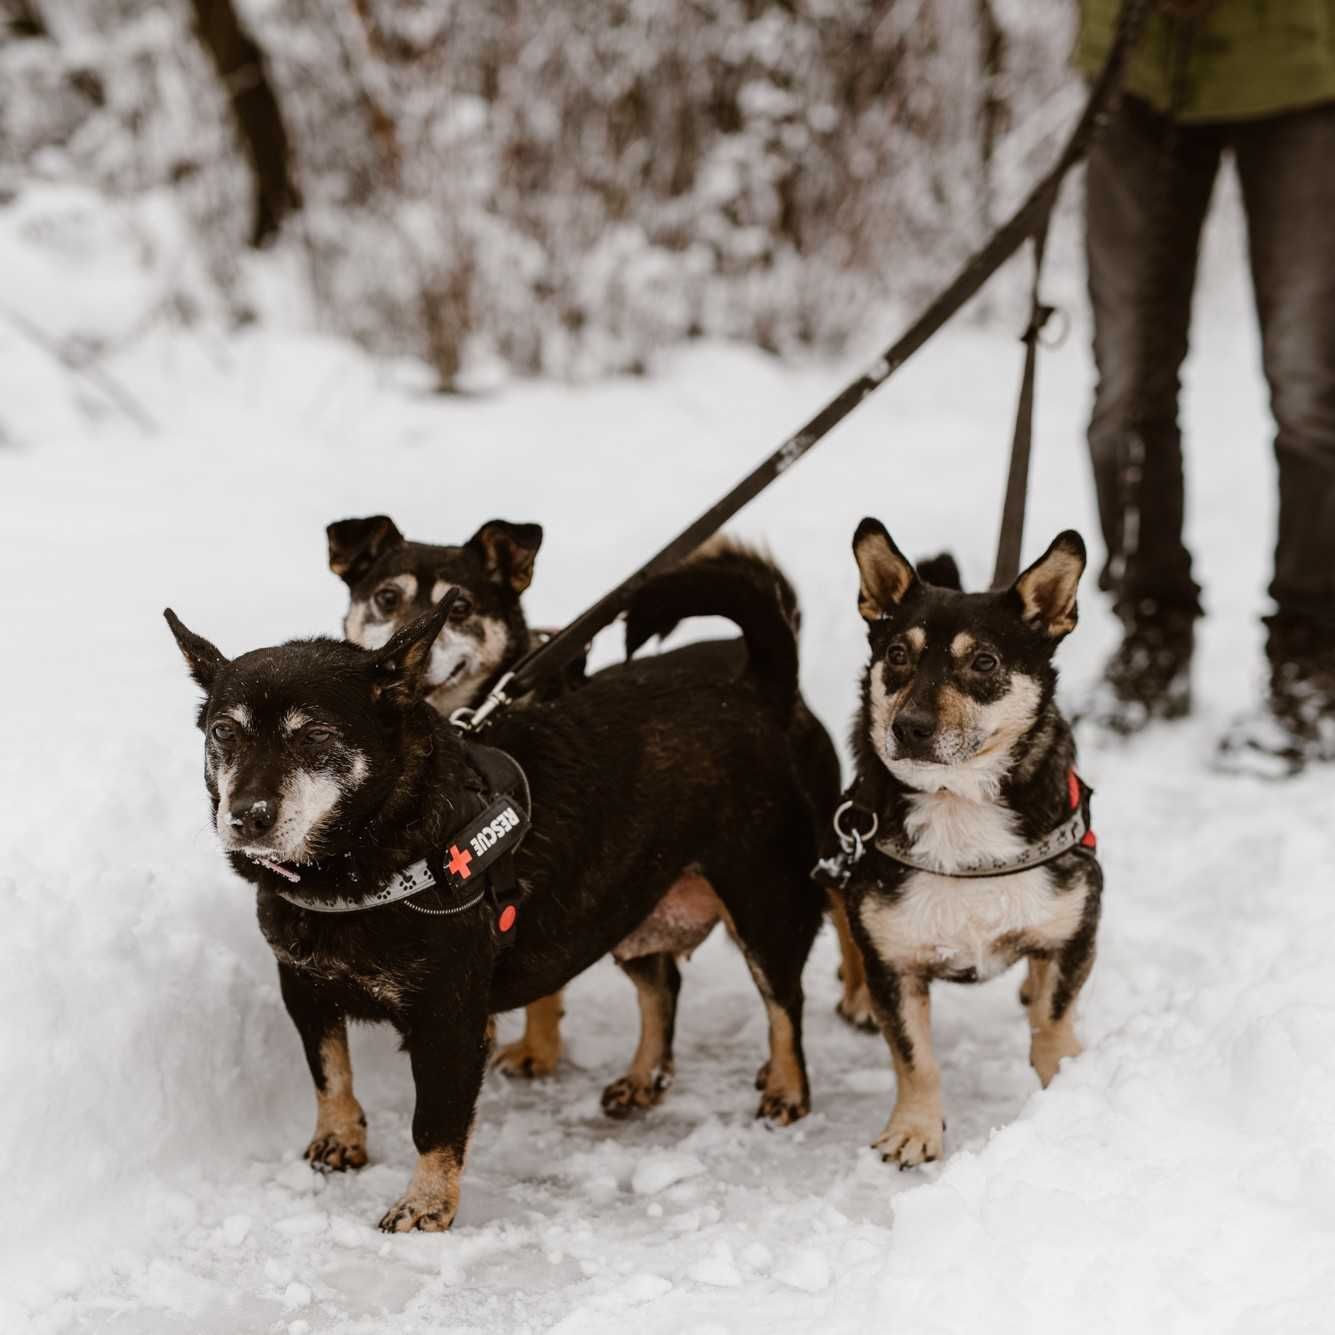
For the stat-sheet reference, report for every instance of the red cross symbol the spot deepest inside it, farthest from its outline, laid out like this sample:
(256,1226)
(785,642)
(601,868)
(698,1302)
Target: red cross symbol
(458,863)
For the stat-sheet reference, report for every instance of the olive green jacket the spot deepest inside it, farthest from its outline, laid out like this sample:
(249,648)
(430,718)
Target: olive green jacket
(1245,58)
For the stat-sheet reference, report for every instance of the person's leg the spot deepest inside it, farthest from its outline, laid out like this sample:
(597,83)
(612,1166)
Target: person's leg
(1147,192)
(1286,165)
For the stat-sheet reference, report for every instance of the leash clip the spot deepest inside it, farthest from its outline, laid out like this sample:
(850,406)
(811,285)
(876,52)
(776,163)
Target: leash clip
(469,720)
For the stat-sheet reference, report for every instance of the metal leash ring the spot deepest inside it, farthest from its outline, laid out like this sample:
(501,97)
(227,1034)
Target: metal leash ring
(853,842)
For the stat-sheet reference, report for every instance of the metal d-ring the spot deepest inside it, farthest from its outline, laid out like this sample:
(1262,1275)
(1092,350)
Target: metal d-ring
(853,841)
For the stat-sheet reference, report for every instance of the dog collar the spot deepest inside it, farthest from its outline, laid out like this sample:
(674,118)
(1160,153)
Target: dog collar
(475,863)
(1074,833)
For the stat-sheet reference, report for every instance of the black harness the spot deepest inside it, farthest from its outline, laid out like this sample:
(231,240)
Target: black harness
(475,865)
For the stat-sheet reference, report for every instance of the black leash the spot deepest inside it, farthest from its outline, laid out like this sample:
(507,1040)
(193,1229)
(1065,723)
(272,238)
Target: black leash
(1028,220)
(1011,537)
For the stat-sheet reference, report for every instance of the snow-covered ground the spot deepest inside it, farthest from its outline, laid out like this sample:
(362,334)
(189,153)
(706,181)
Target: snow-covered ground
(1179,1177)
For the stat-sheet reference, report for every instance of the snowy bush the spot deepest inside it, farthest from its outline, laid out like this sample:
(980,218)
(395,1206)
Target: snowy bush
(563,188)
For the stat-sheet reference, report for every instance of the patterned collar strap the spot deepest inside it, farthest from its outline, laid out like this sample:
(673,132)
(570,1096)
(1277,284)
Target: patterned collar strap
(1073,833)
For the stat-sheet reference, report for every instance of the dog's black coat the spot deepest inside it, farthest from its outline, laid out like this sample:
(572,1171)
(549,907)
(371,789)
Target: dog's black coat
(701,759)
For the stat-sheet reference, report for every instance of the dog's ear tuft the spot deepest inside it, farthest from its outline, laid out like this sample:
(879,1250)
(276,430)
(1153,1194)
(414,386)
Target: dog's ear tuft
(885,574)
(356,544)
(202,658)
(508,550)
(1046,591)
(397,669)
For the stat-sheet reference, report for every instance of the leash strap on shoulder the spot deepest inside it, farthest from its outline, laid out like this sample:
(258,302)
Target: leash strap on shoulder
(1029,219)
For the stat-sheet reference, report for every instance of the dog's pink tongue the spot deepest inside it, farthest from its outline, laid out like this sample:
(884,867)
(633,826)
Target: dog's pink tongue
(271,865)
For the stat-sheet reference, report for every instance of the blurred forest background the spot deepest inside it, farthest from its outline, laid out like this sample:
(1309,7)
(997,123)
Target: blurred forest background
(556,186)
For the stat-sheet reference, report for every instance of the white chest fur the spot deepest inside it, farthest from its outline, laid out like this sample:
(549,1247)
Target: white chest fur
(951,924)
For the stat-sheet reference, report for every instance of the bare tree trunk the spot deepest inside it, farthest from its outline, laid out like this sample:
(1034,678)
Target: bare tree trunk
(259,120)
(22,18)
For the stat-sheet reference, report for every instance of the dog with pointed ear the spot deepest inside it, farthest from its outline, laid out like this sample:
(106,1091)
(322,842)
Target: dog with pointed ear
(391,581)
(967,766)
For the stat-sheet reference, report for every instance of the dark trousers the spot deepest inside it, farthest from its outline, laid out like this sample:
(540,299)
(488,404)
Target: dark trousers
(1148,192)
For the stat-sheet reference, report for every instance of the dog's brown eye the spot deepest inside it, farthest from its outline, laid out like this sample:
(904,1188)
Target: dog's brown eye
(318,736)
(898,656)
(462,609)
(223,732)
(387,600)
(984,663)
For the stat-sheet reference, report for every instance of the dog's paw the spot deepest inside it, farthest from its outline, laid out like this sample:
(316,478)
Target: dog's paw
(782,1108)
(1048,1049)
(523,1060)
(336,1152)
(632,1093)
(911,1139)
(856,1010)
(412,1211)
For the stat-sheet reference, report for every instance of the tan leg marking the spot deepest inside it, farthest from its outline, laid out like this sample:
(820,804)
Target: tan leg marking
(1030,987)
(916,1130)
(785,1097)
(1049,1040)
(649,1075)
(340,1125)
(539,1050)
(855,1005)
(432,1198)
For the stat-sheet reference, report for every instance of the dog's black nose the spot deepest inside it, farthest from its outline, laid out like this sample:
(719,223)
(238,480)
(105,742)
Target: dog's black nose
(254,818)
(912,728)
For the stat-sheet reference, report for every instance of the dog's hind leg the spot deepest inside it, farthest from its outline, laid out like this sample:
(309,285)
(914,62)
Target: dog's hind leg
(339,1141)
(855,1004)
(539,1050)
(774,929)
(657,981)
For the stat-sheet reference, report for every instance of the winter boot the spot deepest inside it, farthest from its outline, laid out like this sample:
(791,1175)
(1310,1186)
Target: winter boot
(1295,725)
(1148,677)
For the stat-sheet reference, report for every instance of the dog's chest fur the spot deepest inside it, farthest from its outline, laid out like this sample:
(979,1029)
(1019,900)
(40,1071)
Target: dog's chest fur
(967,928)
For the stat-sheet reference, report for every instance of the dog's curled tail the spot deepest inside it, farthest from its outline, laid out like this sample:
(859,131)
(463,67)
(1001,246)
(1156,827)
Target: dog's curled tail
(941,571)
(727,579)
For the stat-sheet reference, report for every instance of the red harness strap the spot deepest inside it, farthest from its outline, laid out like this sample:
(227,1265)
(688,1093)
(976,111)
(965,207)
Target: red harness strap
(1073,789)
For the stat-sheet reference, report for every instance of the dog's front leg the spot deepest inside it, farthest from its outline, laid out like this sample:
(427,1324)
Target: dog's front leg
(915,1133)
(1057,983)
(339,1141)
(448,1046)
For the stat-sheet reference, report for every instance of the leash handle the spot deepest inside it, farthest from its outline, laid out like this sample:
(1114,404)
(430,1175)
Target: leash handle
(1029,218)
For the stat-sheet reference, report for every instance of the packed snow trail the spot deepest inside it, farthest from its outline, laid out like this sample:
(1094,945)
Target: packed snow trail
(1179,1177)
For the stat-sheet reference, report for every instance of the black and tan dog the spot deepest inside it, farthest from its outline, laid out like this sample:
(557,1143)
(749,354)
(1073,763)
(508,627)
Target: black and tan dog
(981,854)
(326,765)
(391,580)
